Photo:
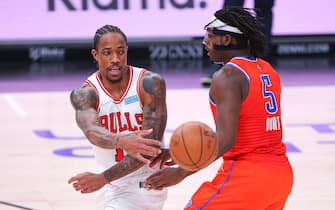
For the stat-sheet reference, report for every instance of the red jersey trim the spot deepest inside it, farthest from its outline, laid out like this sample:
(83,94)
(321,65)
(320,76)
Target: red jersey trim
(234,65)
(140,87)
(116,100)
(212,105)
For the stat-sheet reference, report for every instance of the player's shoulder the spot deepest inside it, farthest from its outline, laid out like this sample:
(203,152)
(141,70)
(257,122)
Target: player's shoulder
(83,97)
(227,79)
(227,73)
(152,76)
(145,72)
(84,90)
(152,82)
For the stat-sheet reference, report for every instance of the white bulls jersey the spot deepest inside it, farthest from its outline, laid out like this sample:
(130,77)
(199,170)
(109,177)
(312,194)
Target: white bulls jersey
(121,115)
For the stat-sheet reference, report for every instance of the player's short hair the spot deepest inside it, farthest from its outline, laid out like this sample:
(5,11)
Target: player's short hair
(104,30)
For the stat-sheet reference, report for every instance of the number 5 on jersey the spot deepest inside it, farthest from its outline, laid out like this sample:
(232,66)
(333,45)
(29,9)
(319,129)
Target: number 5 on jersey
(271,102)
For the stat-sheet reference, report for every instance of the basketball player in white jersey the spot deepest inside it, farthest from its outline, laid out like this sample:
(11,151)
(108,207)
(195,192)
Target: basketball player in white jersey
(116,108)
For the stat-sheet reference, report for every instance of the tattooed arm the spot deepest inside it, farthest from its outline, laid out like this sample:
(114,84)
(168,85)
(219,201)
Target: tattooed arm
(153,92)
(84,100)
(155,116)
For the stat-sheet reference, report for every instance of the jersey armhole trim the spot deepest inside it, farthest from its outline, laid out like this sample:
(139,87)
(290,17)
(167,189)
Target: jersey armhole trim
(212,101)
(140,87)
(235,66)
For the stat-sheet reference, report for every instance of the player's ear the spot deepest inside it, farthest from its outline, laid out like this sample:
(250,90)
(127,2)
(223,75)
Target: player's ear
(226,39)
(94,54)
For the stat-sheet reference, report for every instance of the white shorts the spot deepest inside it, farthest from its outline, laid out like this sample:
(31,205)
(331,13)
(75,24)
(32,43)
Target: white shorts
(130,197)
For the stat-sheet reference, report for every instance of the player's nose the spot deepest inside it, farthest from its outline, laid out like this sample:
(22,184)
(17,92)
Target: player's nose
(114,58)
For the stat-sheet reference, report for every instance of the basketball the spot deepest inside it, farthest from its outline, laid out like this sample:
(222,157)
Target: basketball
(193,145)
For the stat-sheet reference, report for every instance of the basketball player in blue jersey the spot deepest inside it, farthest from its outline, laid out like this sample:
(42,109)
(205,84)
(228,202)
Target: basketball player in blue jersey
(117,107)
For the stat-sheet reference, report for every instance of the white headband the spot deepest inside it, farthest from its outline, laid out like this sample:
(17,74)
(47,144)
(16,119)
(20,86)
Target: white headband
(219,25)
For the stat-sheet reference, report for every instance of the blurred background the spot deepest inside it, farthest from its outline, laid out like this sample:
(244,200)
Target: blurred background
(54,37)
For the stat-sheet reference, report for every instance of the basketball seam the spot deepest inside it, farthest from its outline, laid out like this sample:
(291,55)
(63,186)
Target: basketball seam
(201,147)
(186,150)
(211,154)
(197,157)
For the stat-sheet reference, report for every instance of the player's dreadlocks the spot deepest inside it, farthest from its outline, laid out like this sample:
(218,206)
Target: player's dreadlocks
(243,19)
(106,29)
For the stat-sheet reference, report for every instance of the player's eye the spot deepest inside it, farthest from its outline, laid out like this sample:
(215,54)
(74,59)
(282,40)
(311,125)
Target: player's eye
(106,52)
(121,52)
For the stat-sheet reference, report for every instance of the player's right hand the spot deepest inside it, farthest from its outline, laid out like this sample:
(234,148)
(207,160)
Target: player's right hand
(165,177)
(87,182)
(137,146)
(164,159)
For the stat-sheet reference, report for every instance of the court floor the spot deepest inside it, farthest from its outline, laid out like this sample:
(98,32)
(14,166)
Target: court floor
(41,146)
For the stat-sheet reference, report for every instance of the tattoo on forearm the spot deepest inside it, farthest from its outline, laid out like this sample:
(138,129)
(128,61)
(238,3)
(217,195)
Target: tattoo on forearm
(155,116)
(155,112)
(108,141)
(85,100)
(155,120)
(126,166)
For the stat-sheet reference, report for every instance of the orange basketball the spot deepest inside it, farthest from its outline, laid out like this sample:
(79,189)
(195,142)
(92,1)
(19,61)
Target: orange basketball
(193,145)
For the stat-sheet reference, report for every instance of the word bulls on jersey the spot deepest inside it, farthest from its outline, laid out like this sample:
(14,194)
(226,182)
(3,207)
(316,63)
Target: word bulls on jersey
(117,122)
(114,123)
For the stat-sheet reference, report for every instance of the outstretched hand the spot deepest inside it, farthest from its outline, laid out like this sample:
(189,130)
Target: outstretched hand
(137,146)
(165,177)
(164,159)
(87,182)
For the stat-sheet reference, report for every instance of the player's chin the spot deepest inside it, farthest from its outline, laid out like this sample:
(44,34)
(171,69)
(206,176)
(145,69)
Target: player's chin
(114,79)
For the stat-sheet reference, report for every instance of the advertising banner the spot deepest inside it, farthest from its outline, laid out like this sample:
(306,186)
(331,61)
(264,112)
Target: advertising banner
(144,20)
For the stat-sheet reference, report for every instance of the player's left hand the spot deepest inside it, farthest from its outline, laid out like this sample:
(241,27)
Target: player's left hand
(87,182)
(164,159)
(165,177)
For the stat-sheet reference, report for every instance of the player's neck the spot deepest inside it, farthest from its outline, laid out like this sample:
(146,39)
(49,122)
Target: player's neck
(240,53)
(117,87)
